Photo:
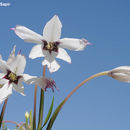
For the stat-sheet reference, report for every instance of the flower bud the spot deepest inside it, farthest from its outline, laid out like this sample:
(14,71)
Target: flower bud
(26,115)
(121,73)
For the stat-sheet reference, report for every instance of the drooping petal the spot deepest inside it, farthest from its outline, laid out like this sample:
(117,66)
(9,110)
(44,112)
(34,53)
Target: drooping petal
(5,91)
(73,44)
(3,66)
(62,54)
(19,88)
(18,64)
(52,66)
(52,30)
(121,73)
(45,83)
(12,55)
(2,75)
(28,35)
(29,79)
(36,52)
(50,61)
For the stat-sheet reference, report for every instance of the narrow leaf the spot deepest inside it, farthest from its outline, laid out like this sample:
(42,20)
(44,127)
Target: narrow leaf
(55,114)
(49,113)
(30,120)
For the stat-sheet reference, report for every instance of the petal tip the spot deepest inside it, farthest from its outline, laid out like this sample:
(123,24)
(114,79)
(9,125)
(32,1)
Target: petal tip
(13,29)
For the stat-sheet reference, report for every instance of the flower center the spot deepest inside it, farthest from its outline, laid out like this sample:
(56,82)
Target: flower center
(51,46)
(12,77)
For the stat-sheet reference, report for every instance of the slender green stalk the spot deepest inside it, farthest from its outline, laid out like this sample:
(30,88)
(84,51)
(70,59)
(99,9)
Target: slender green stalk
(82,83)
(3,111)
(41,108)
(55,114)
(34,112)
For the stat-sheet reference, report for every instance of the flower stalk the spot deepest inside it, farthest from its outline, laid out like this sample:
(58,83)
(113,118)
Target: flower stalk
(34,112)
(82,83)
(3,111)
(41,103)
(50,124)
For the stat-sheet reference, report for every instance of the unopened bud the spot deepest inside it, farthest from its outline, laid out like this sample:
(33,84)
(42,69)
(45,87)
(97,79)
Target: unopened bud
(26,115)
(121,73)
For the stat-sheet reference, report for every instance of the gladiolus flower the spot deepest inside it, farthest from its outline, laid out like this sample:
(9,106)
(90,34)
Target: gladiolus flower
(12,76)
(50,45)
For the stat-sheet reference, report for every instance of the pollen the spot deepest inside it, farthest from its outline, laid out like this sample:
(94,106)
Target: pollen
(50,46)
(1,85)
(12,76)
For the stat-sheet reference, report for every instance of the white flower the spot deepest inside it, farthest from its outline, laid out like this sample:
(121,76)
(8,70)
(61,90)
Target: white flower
(50,45)
(12,76)
(121,73)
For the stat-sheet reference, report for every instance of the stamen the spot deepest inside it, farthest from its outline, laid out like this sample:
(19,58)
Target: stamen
(12,76)
(51,46)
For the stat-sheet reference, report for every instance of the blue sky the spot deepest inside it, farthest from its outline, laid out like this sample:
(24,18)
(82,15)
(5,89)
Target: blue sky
(101,104)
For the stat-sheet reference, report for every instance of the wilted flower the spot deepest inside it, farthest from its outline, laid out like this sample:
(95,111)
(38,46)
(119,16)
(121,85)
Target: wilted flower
(45,83)
(50,45)
(121,73)
(12,76)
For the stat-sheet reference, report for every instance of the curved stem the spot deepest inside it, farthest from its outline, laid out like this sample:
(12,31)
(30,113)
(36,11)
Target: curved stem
(3,111)
(50,124)
(41,103)
(83,82)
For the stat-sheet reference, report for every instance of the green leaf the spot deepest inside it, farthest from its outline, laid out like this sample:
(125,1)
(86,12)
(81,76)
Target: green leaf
(30,119)
(55,114)
(49,113)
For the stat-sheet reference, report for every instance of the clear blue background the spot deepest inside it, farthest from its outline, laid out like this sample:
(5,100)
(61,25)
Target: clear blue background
(101,104)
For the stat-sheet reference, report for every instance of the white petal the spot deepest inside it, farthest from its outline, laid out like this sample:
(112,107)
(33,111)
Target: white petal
(19,88)
(52,66)
(3,66)
(12,56)
(41,82)
(3,81)
(5,91)
(52,30)
(50,61)
(36,52)
(28,35)
(2,75)
(121,73)
(29,79)
(62,54)
(73,44)
(18,64)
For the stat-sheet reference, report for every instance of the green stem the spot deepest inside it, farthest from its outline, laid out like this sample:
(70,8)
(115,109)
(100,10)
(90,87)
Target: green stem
(50,124)
(34,112)
(83,82)
(41,108)
(3,111)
